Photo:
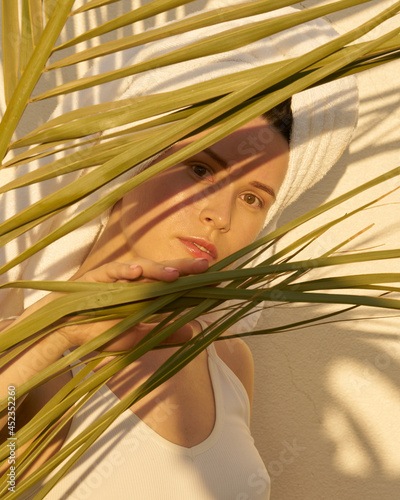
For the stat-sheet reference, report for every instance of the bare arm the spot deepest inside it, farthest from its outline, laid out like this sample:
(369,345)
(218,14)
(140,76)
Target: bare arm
(22,368)
(31,361)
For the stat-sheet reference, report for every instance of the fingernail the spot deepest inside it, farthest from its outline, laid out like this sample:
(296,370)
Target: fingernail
(134,266)
(200,258)
(171,269)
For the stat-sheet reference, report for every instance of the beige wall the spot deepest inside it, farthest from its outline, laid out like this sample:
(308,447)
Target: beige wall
(327,401)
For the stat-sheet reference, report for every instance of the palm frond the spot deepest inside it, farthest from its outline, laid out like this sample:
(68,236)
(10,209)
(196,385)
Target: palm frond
(10,17)
(201,20)
(32,72)
(29,41)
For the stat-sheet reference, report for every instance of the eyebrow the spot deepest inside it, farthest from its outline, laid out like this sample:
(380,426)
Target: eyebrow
(256,184)
(216,157)
(264,187)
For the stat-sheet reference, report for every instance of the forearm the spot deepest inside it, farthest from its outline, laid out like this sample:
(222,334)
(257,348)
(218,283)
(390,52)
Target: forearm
(32,360)
(28,364)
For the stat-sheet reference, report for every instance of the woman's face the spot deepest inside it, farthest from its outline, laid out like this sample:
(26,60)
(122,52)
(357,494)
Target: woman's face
(210,205)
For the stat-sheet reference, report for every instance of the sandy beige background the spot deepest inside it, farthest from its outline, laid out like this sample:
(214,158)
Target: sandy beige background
(327,401)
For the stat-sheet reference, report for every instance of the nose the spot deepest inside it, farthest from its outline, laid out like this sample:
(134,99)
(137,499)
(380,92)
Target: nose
(217,209)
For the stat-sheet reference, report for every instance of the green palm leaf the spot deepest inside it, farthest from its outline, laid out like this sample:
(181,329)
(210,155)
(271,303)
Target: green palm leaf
(29,40)
(32,72)
(215,44)
(198,21)
(10,47)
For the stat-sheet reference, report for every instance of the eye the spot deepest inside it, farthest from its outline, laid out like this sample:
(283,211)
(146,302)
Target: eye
(252,200)
(201,171)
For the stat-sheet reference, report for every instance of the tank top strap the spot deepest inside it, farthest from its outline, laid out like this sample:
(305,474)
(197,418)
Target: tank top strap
(225,369)
(232,389)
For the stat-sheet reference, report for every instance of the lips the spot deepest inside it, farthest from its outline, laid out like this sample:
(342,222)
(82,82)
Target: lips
(200,249)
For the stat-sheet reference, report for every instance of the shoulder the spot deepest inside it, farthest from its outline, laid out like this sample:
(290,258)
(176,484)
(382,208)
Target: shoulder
(236,354)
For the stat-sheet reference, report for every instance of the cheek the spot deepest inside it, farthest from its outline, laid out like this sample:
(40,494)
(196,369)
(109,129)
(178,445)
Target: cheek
(154,206)
(247,231)
(251,233)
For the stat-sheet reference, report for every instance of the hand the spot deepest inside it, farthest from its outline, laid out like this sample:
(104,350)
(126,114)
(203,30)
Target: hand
(138,270)
(144,270)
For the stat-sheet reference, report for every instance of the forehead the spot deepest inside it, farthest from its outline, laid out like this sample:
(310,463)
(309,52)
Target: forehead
(254,138)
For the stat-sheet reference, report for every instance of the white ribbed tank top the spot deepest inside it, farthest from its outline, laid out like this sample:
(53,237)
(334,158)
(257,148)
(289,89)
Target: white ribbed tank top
(130,461)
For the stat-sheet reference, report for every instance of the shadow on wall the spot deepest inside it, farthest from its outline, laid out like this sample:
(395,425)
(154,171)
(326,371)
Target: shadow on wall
(324,416)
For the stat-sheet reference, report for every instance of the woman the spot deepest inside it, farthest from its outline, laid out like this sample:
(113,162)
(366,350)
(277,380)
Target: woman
(178,442)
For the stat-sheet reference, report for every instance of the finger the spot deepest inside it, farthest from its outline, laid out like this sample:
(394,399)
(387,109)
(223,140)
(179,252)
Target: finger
(188,266)
(170,270)
(114,271)
(145,268)
(156,270)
